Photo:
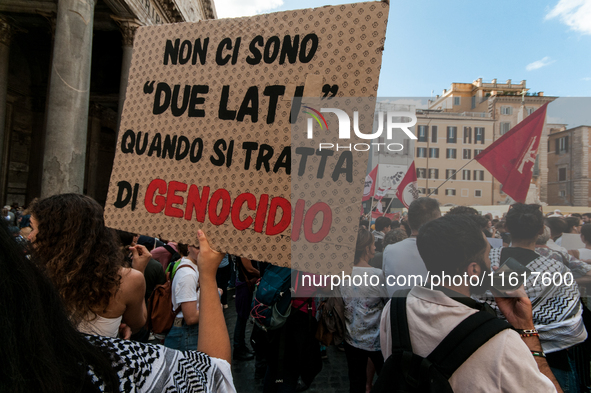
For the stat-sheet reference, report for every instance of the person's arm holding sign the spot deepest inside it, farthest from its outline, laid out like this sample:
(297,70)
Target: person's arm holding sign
(518,312)
(213,334)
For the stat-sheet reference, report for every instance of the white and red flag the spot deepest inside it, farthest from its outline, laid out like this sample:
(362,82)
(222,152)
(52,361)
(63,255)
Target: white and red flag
(511,158)
(370,184)
(381,193)
(407,190)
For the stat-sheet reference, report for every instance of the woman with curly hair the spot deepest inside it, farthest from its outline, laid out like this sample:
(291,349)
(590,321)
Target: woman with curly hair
(81,257)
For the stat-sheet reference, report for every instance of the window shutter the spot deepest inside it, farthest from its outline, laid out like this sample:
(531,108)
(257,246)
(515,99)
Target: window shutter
(557,144)
(482,138)
(434,134)
(566,143)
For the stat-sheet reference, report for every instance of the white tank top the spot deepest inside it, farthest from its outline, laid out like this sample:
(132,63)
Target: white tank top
(101,326)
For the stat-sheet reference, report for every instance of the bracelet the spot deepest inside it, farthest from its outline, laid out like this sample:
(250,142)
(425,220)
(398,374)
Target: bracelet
(530,335)
(527,331)
(539,354)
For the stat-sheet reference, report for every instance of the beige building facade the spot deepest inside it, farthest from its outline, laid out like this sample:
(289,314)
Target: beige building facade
(569,166)
(503,105)
(447,142)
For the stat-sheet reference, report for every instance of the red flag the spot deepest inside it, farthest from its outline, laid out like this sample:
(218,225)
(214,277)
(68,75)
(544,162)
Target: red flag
(370,184)
(407,189)
(510,159)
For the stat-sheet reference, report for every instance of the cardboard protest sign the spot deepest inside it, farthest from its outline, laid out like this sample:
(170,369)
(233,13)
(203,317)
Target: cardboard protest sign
(205,137)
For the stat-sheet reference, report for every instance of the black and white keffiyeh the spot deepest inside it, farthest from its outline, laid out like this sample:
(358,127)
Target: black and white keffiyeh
(155,368)
(557,310)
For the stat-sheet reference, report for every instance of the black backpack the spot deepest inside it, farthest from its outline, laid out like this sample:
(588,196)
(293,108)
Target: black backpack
(405,371)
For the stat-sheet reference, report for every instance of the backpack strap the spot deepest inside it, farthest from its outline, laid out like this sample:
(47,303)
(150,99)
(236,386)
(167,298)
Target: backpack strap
(169,249)
(399,323)
(464,340)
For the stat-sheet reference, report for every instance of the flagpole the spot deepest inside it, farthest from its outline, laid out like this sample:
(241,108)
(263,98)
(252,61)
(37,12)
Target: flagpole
(387,207)
(446,180)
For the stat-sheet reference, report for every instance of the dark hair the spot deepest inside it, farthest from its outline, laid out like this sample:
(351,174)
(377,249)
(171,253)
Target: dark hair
(382,222)
(586,233)
(364,239)
(557,225)
(463,210)
(576,215)
(79,254)
(183,249)
(41,350)
(422,211)
(524,222)
(586,215)
(394,236)
(572,222)
(126,237)
(394,225)
(450,243)
(364,223)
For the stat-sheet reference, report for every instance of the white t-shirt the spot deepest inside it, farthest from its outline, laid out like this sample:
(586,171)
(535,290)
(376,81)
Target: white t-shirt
(184,285)
(502,364)
(584,254)
(403,258)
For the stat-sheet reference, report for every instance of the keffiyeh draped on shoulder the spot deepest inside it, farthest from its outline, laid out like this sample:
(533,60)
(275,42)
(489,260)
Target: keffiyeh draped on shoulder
(155,368)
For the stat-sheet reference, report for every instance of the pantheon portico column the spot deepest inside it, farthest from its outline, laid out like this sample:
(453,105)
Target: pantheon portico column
(5,36)
(128,28)
(68,99)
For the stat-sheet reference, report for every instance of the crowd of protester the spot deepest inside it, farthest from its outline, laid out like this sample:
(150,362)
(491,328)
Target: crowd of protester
(83,291)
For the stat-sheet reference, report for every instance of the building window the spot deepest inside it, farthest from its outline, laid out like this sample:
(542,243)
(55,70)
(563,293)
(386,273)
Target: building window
(450,192)
(466,174)
(450,153)
(452,134)
(562,193)
(422,191)
(423,130)
(562,145)
(562,174)
(477,193)
(457,101)
(421,173)
(465,192)
(450,174)
(473,104)
(433,191)
(530,110)
(505,127)
(479,175)
(479,135)
(433,173)
(434,152)
(434,134)
(467,135)
(477,152)
(466,154)
(421,152)
(506,110)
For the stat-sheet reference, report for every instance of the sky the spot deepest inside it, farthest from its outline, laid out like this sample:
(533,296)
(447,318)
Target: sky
(432,43)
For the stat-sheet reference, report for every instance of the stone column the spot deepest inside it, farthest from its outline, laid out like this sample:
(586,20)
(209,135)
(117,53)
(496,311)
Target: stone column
(128,28)
(93,148)
(5,36)
(68,99)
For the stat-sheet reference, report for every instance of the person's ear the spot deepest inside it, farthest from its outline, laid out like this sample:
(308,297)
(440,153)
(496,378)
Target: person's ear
(474,269)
